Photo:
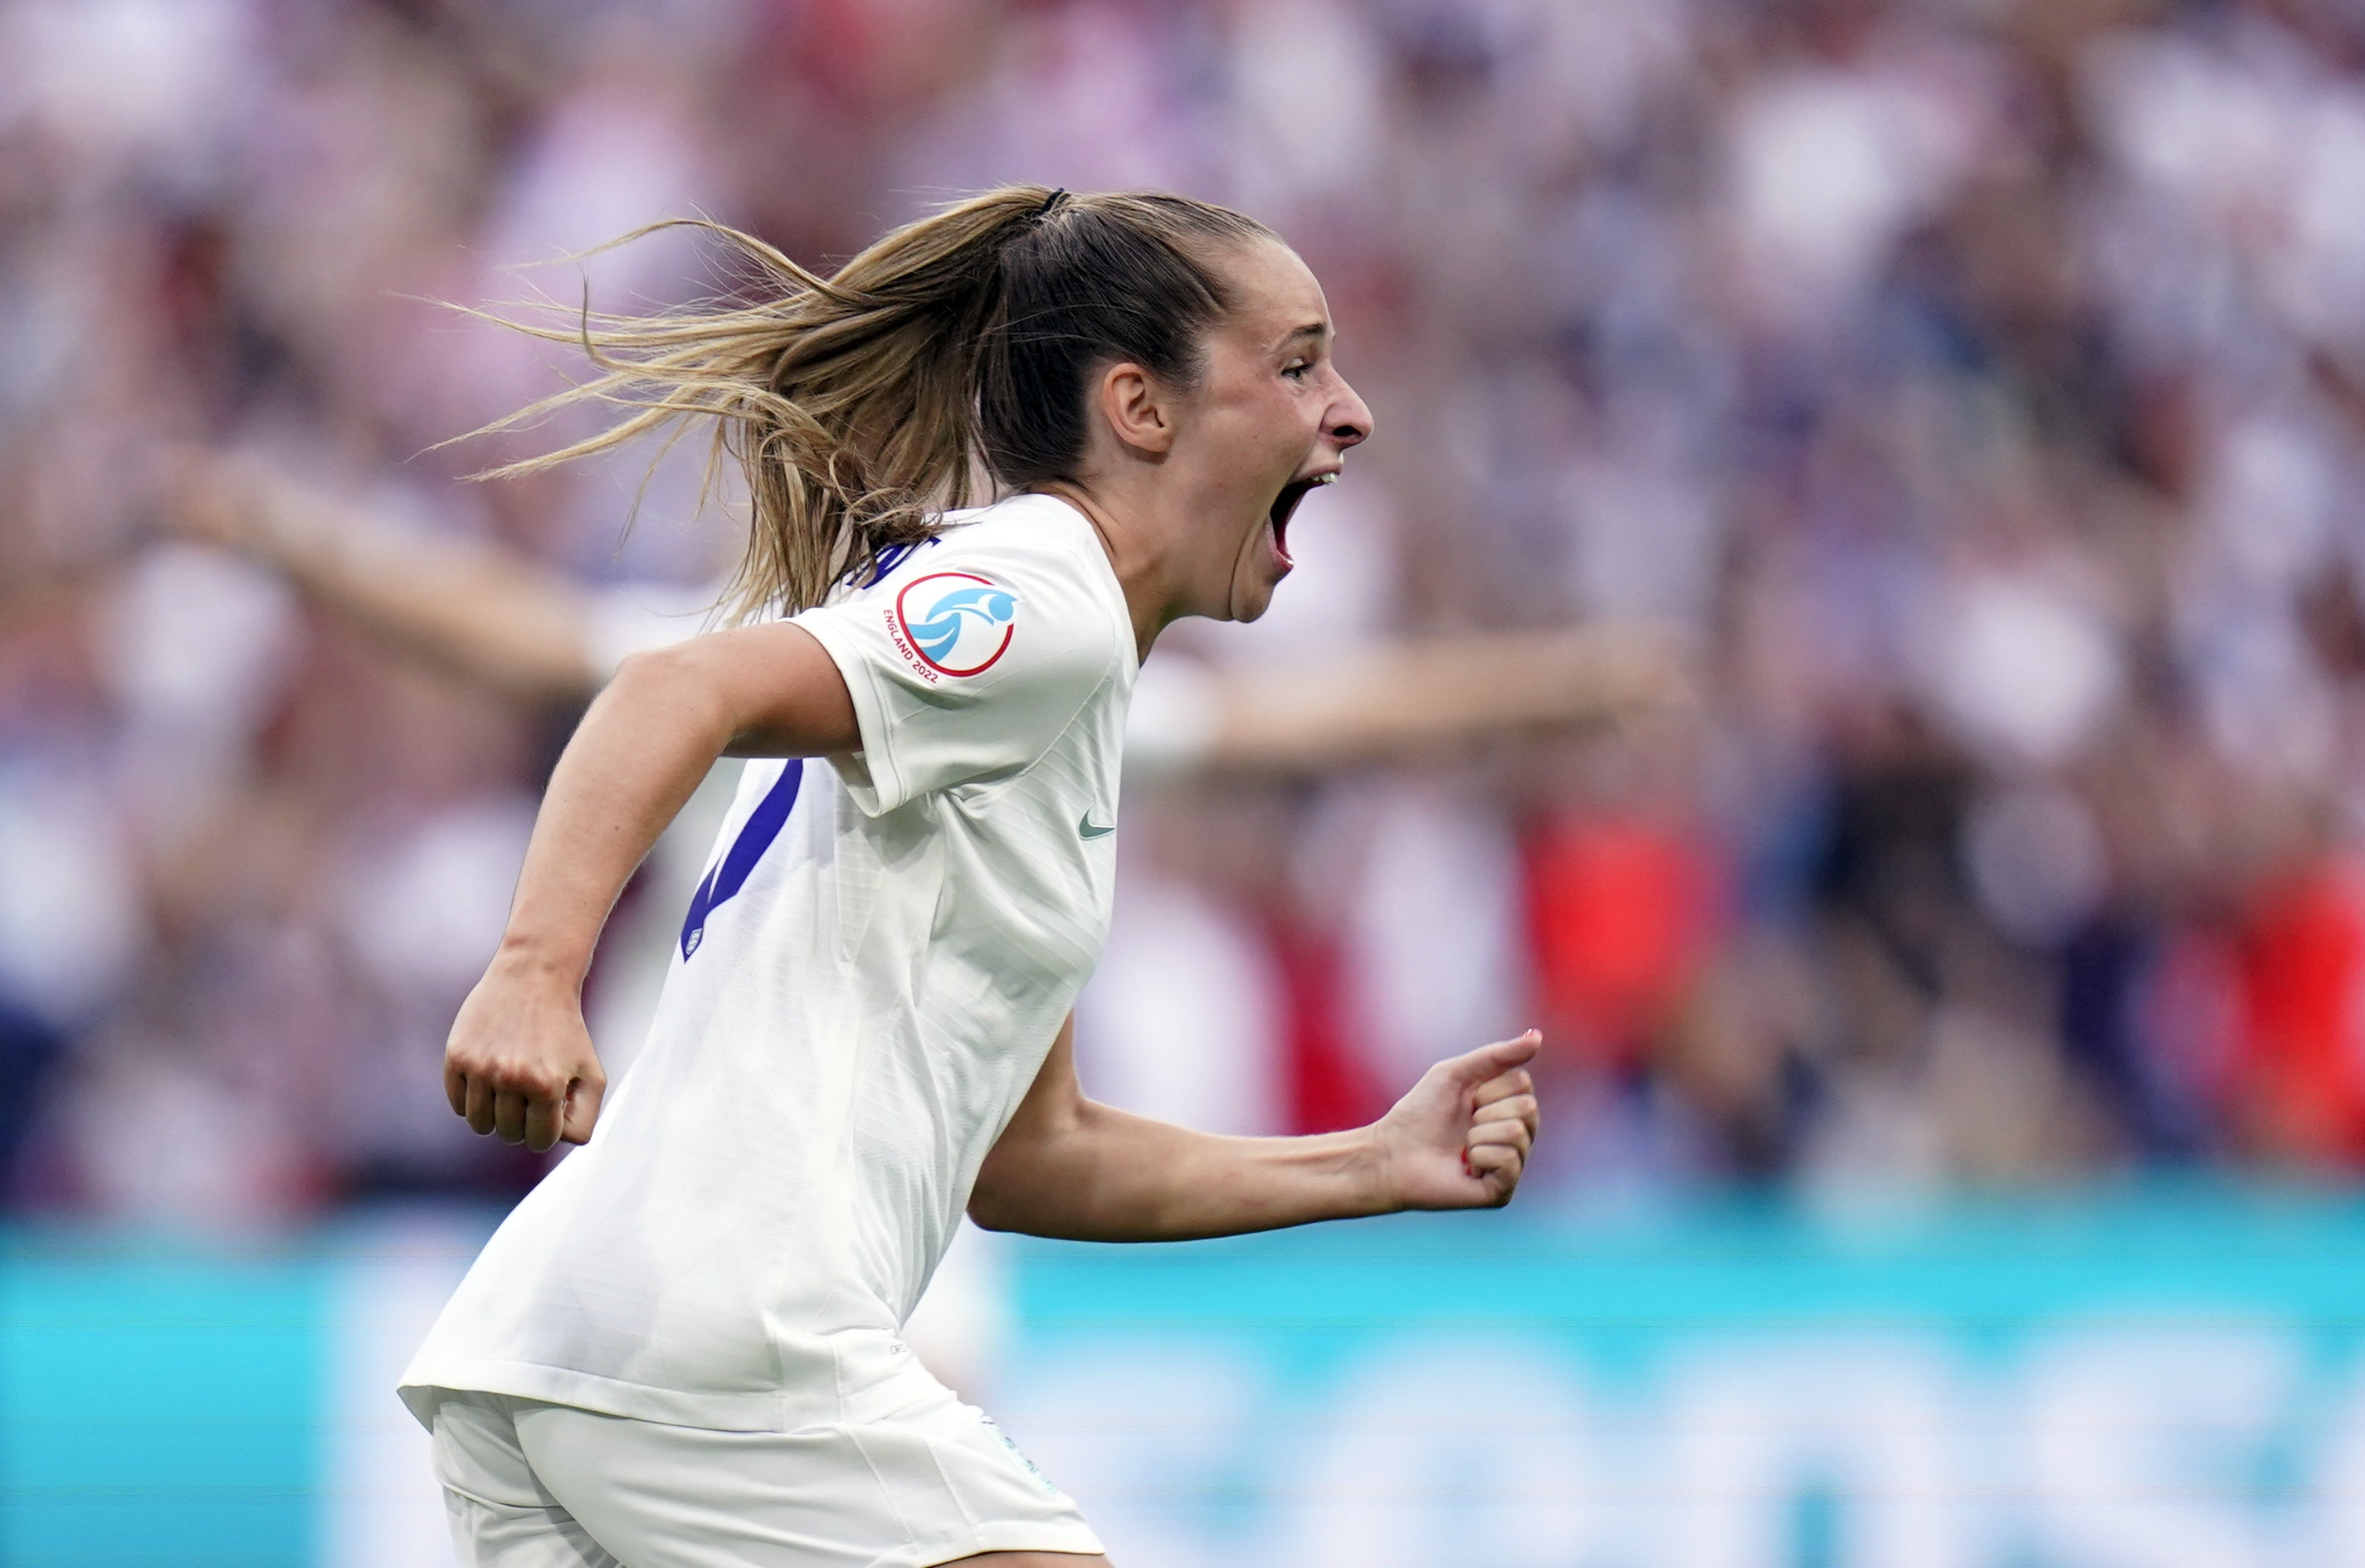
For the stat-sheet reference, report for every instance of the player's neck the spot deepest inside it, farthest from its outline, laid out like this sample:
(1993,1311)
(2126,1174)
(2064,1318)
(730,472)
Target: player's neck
(1140,541)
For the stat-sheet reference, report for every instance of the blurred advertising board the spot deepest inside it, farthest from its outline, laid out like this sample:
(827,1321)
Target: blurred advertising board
(2158,1380)
(2143,1382)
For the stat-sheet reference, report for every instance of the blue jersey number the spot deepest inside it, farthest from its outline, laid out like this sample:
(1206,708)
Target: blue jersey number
(730,874)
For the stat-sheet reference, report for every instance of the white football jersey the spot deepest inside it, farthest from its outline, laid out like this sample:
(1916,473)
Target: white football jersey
(866,982)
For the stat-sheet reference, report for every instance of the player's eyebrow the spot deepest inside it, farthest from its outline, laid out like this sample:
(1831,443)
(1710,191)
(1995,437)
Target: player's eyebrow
(1317,330)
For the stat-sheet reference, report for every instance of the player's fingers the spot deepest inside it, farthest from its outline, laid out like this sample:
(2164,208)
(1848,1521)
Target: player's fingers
(1503,1086)
(479,1108)
(1507,1131)
(1496,1160)
(509,1116)
(542,1115)
(1493,1061)
(455,1089)
(1520,1108)
(583,1099)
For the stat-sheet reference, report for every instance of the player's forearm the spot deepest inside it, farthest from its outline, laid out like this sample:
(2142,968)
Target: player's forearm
(1111,1176)
(640,750)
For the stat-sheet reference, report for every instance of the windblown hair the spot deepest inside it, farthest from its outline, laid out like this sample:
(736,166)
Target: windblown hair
(863,406)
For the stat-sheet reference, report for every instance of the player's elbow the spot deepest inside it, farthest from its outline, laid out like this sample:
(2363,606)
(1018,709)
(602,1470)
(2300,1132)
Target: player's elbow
(1033,1175)
(1003,1198)
(988,1211)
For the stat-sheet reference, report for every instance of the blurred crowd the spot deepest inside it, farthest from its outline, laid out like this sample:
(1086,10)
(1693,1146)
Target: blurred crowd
(1978,387)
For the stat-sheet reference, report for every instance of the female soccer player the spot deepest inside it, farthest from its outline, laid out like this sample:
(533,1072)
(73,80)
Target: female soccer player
(681,1347)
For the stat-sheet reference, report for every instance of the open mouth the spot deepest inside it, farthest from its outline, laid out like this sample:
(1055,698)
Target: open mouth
(1286,503)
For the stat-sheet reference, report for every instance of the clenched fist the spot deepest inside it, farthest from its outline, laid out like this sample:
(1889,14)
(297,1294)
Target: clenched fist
(519,1062)
(1461,1138)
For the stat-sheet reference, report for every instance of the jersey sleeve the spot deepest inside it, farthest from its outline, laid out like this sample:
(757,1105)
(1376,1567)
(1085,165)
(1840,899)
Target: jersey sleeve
(968,661)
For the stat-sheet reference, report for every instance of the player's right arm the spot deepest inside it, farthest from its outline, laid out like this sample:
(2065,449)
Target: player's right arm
(519,1061)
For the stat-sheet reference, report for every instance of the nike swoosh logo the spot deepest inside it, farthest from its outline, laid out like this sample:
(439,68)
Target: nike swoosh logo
(1085,828)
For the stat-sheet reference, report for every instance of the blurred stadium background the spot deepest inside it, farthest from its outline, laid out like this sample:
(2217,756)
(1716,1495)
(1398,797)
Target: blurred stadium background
(1955,1096)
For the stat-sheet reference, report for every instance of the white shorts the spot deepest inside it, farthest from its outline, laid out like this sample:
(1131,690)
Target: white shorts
(535,1485)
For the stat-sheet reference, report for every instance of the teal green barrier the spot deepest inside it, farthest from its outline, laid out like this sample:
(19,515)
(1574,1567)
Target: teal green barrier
(2153,1379)
(1753,1265)
(157,1409)
(2159,1380)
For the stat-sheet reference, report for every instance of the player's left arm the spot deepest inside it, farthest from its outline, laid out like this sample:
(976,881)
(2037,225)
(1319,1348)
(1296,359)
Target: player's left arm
(1071,1167)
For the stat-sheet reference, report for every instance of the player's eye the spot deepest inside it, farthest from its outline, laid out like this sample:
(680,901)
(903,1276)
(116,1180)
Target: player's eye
(1297,370)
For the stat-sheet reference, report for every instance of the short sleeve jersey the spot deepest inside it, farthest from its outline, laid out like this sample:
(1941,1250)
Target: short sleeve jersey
(866,982)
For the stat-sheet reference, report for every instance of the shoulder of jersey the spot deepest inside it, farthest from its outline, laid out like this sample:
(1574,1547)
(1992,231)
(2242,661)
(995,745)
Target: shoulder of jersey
(1029,527)
(957,602)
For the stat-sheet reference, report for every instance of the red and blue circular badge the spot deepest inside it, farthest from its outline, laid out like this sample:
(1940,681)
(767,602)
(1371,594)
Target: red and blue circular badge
(957,623)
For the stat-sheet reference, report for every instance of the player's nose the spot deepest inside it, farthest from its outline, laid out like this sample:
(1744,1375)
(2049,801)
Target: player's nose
(1349,420)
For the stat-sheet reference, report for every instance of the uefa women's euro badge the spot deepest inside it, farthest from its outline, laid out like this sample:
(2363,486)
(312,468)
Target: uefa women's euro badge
(953,623)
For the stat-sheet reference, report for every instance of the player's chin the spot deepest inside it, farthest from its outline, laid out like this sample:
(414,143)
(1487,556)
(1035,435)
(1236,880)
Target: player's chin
(1253,585)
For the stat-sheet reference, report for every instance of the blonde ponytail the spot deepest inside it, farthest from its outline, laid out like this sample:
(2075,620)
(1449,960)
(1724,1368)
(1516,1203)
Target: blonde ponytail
(861,406)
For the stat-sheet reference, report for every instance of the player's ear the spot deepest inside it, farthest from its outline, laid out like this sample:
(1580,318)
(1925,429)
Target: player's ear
(1138,409)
